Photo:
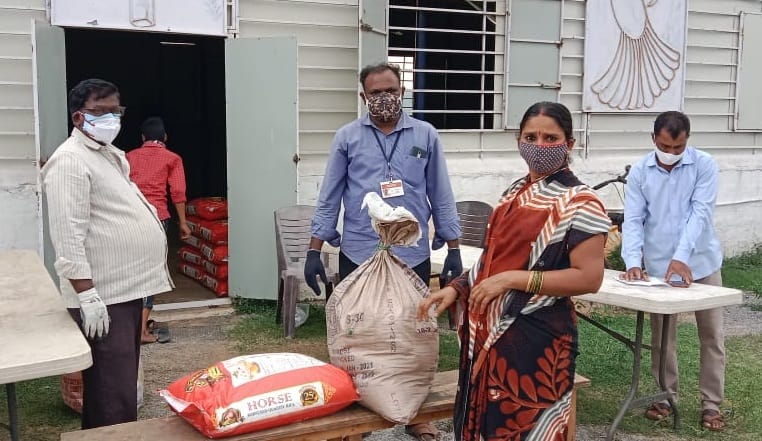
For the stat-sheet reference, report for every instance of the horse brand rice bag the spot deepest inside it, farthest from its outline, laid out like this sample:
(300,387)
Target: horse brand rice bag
(219,286)
(218,270)
(211,208)
(256,392)
(215,253)
(191,270)
(193,241)
(215,232)
(191,255)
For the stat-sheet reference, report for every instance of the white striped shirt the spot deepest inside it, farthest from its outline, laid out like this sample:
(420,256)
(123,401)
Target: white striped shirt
(101,226)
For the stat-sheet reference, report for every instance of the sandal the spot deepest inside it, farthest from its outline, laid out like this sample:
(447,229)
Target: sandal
(712,420)
(658,411)
(163,335)
(424,432)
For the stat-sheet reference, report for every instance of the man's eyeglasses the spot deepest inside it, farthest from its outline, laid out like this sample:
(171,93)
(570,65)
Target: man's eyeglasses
(116,111)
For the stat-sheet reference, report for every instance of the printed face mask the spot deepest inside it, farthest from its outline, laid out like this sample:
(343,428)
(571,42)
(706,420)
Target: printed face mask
(384,107)
(102,128)
(668,158)
(544,159)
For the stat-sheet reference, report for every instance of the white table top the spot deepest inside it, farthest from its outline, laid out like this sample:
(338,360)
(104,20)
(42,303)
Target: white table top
(654,299)
(38,338)
(662,299)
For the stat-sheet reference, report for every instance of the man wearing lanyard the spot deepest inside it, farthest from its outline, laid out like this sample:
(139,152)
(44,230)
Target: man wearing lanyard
(399,157)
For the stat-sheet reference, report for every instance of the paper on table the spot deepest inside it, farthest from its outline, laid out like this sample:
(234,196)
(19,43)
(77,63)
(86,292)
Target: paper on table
(652,281)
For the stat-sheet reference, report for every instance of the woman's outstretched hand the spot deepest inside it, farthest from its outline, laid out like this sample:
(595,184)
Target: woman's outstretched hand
(442,299)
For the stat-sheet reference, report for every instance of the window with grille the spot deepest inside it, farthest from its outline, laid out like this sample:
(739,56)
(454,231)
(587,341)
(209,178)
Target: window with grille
(452,56)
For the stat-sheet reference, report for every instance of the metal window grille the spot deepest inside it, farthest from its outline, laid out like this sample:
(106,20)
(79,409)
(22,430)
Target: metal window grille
(452,54)
(406,69)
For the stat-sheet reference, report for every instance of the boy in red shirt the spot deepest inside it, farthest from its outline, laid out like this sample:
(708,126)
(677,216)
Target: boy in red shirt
(153,168)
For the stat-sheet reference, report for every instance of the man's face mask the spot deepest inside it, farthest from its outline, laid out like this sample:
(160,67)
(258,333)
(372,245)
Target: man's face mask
(544,159)
(385,107)
(668,158)
(102,128)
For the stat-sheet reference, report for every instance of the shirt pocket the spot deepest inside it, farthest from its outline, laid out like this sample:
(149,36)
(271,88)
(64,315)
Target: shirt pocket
(414,170)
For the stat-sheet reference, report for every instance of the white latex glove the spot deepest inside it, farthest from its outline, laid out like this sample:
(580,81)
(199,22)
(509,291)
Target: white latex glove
(95,319)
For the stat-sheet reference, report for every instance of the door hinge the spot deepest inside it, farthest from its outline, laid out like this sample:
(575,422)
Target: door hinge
(296,158)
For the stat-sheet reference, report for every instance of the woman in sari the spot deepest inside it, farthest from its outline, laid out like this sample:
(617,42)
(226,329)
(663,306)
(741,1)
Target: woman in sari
(518,328)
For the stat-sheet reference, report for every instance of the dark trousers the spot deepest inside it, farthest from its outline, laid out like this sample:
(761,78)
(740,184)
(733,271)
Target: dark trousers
(346,266)
(110,391)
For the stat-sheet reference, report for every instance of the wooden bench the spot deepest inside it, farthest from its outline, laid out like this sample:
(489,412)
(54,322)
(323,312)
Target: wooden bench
(346,425)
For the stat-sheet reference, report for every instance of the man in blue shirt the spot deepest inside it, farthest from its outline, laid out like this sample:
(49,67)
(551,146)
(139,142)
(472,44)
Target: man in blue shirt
(401,159)
(668,224)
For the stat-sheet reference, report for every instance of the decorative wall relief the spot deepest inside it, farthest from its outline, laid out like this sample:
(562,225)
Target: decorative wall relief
(634,55)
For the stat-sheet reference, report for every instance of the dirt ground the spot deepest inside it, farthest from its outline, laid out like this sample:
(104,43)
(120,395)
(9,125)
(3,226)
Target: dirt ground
(200,342)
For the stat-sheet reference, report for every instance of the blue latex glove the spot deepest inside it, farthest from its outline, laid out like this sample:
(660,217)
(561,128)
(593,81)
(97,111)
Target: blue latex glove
(313,267)
(452,268)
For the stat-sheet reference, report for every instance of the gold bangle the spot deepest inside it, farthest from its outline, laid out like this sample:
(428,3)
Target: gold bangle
(529,281)
(534,284)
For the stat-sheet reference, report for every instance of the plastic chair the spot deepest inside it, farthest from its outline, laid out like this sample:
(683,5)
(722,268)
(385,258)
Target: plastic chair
(292,240)
(474,218)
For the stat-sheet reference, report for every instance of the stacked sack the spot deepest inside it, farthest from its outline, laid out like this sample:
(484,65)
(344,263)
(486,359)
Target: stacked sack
(204,257)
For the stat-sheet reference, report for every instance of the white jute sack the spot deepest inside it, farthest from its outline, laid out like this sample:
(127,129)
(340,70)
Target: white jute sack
(373,333)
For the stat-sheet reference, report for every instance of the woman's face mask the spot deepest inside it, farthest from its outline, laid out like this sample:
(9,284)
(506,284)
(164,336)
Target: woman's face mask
(385,107)
(102,128)
(544,159)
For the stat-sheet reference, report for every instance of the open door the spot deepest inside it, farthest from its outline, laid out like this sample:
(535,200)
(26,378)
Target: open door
(261,86)
(50,111)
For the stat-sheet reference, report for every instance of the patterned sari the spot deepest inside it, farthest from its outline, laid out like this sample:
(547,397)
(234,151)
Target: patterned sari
(518,358)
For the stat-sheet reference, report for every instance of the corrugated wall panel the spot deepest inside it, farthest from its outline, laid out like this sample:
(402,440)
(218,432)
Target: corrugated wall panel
(18,169)
(327,33)
(15,69)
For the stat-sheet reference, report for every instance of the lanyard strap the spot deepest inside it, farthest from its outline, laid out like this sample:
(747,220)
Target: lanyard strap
(383,150)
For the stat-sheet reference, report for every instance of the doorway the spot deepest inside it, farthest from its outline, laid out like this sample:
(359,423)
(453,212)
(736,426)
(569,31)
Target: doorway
(180,79)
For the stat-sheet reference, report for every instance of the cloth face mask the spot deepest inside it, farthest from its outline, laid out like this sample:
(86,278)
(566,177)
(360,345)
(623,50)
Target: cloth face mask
(544,159)
(384,107)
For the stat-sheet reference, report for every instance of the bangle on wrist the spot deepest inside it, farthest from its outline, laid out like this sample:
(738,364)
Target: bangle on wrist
(534,284)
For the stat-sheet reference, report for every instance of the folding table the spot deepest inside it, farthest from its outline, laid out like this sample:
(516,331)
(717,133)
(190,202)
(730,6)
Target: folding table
(37,336)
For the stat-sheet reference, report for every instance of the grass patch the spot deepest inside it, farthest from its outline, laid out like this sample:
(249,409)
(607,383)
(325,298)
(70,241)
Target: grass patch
(744,272)
(608,364)
(614,259)
(42,414)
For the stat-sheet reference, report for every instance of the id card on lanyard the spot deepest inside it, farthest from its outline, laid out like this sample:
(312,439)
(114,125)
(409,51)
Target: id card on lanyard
(392,187)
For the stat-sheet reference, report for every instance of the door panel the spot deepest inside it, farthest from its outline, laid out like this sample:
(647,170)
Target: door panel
(261,84)
(50,108)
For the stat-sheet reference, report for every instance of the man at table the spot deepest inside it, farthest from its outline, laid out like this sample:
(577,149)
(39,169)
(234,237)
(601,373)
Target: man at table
(668,224)
(110,249)
(401,158)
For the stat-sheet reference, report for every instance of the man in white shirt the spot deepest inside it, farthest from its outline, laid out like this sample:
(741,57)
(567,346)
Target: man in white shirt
(111,250)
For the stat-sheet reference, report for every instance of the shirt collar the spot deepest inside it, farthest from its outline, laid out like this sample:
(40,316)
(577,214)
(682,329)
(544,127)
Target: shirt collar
(86,140)
(688,158)
(405,121)
(154,143)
